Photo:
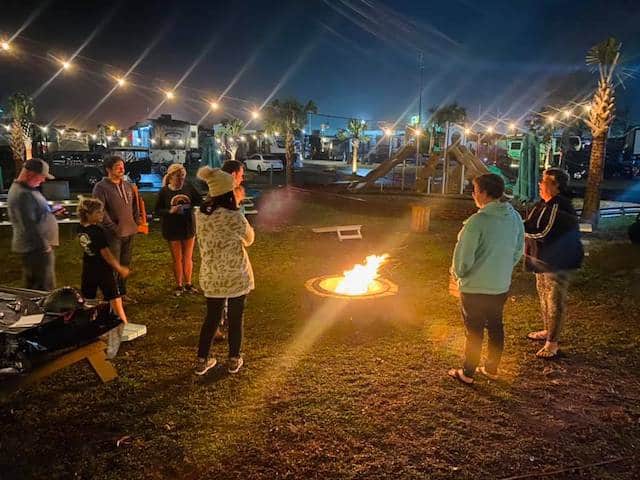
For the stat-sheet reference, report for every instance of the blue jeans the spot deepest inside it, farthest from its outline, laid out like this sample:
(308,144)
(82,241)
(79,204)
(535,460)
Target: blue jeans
(480,311)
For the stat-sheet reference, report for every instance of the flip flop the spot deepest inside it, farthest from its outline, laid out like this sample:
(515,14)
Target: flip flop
(457,373)
(547,354)
(483,371)
(537,335)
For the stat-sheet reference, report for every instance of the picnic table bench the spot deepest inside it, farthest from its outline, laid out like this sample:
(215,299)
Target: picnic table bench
(93,352)
(345,232)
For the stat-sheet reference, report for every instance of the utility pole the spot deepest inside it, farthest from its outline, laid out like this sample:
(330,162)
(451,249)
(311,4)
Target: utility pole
(421,68)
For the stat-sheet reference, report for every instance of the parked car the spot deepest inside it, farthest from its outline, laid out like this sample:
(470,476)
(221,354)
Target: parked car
(261,162)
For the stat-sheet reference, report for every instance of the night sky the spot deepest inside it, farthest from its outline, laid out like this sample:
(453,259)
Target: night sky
(352,57)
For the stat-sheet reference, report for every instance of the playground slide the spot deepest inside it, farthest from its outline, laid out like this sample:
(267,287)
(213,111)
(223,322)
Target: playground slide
(386,166)
(472,164)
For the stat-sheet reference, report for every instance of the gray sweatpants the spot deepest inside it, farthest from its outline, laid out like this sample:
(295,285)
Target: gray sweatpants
(552,290)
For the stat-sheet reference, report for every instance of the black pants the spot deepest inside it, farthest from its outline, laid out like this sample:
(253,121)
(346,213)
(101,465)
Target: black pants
(121,248)
(481,311)
(215,307)
(39,270)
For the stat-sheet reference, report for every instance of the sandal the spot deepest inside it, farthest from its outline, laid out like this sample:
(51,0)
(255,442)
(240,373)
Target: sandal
(540,335)
(483,371)
(547,354)
(459,375)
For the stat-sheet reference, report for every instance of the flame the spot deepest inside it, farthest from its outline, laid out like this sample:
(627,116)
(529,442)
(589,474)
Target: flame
(357,281)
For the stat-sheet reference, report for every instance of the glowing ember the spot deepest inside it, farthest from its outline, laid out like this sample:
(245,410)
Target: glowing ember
(361,278)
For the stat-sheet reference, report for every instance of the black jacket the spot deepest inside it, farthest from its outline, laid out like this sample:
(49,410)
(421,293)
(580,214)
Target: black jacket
(552,237)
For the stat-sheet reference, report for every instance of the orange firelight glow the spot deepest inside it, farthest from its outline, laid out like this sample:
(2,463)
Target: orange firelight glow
(361,278)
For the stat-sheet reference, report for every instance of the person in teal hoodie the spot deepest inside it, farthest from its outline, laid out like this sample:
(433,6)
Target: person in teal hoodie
(490,244)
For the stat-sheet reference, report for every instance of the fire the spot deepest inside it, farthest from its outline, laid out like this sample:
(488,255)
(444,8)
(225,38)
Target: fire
(358,280)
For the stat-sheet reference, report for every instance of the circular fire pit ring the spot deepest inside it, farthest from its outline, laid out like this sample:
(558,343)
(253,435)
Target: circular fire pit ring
(325,286)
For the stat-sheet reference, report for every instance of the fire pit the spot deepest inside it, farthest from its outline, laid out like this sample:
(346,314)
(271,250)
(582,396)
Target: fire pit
(359,292)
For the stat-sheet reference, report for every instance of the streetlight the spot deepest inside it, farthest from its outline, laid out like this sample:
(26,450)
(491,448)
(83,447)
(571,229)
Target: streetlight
(121,82)
(566,113)
(243,138)
(551,119)
(587,108)
(389,133)
(5,46)
(512,127)
(490,129)
(255,114)
(65,65)
(170,95)
(214,105)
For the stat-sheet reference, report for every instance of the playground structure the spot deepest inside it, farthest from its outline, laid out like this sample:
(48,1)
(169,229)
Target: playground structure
(451,170)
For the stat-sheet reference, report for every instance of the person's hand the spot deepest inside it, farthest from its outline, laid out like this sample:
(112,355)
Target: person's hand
(60,212)
(124,272)
(176,209)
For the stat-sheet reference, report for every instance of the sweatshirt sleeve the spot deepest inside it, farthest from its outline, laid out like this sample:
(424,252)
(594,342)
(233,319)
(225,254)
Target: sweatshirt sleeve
(464,254)
(100,194)
(519,251)
(31,214)
(541,222)
(162,208)
(248,234)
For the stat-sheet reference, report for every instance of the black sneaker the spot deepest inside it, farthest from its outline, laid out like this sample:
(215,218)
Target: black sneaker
(178,291)
(189,288)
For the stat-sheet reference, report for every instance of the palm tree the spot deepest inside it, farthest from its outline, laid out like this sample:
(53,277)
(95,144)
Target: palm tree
(355,132)
(452,113)
(22,111)
(228,135)
(604,58)
(289,117)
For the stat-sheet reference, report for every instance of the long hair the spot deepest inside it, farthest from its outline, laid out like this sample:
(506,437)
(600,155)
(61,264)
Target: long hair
(226,200)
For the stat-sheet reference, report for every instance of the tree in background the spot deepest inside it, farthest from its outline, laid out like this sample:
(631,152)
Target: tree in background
(22,111)
(288,117)
(355,132)
(227,136)
(452,113)
(603,58)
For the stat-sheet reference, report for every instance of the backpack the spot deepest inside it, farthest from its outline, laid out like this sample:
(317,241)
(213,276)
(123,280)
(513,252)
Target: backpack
(634,230)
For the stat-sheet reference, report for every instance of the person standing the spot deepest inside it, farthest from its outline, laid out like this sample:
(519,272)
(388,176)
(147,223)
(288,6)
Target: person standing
(174,206)
(35,229)
(552,251)
(489,245)
(235,168)
(223,234)
(121,214)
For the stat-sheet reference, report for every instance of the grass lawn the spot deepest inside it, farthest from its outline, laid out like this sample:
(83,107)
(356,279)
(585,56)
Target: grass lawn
(325,396)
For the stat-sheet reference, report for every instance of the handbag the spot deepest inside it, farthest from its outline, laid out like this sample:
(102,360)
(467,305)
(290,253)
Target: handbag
(143,226)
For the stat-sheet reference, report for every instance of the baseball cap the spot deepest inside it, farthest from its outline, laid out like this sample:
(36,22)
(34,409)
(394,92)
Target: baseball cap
(37,165)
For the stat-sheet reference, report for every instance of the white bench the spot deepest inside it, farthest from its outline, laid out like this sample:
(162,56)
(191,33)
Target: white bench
(345,232)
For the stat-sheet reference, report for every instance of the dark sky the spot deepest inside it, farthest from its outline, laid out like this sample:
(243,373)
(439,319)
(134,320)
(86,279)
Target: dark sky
(352,57)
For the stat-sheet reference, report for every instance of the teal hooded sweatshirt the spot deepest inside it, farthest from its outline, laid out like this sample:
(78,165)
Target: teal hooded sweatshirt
(490,244)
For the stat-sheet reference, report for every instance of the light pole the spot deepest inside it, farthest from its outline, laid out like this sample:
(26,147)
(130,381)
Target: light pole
(389,133)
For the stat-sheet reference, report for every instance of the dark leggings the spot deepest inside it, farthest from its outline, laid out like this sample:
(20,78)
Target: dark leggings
(215,307)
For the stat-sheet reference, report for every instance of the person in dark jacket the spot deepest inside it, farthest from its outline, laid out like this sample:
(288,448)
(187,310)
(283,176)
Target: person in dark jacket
(176,200)
(552,251)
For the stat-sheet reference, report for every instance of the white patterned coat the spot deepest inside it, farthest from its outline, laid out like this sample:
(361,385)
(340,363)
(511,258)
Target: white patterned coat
(225,269)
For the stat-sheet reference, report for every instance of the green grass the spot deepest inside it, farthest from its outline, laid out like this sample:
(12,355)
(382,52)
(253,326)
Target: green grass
(330,396)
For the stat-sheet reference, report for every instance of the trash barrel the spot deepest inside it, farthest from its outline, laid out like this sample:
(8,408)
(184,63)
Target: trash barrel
(420,217)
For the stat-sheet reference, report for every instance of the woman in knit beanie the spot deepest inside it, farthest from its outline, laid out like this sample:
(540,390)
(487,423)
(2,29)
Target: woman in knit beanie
(225,270)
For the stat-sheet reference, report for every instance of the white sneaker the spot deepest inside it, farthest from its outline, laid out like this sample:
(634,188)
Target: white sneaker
(235,364)
(204,365)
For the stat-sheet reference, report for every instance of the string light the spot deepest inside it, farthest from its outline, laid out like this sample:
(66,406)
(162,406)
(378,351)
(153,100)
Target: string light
(5,46)
(214,105)
(167,142)
(121,82)
(512,126)
(566,113)
(551,118)
(388,131)
(170,95)
(255,114)
(65,65)
(490,129)
(587,108)
(467,131)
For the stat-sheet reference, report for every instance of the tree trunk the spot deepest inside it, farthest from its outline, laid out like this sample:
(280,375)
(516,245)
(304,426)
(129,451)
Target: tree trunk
(234,151)
(354,162)
(289,153)
(591,206)
(17,145)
